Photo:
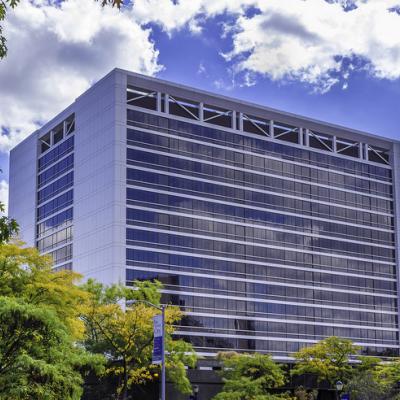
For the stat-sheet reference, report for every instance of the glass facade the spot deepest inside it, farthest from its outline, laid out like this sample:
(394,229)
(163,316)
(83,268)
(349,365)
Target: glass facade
(54,202)
(266,246)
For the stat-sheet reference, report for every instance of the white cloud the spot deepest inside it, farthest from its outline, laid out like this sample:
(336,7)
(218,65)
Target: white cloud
(4,195)
(174,15)
(57,52)
(312,41)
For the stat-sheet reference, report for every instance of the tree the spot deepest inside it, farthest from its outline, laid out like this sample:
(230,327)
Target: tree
(8,226)
(301,393)
(388,376)
(250,377)
(5,5)
(363,385)
(27,276)
(39,326)
(126,335)
(327,359)
(113,3)
(38,359)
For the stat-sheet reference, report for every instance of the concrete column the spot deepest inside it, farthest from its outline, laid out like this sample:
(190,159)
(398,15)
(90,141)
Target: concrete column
(166,103)
(234,119)
(158,101)
(240,122)
(201,111)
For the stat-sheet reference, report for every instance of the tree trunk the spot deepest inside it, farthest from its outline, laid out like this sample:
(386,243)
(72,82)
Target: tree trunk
(125,388)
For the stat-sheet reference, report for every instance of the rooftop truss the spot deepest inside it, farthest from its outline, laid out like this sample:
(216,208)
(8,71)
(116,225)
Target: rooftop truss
(57,134)
(233,119)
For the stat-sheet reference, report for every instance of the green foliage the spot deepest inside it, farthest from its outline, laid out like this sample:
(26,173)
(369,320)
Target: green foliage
(4,7)
(27,275)
(8,226)
(301,393)
(364,386)
(327,359)
(250,377)
(39,322)
(126,335)
(388,374)
(375,380)
(113,3)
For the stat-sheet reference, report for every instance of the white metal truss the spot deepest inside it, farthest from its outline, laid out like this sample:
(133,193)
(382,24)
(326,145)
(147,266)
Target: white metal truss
(290,130)
(141,95)
(321,139)
(218,113)
(181,105)
(347,145)
(377,153)
(327,142)
(257,125)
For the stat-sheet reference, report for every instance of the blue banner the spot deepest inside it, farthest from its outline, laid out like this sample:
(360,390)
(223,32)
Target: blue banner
(158,340)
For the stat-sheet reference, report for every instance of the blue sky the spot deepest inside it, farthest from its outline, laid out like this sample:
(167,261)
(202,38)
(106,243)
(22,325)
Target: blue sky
(367,103)
(336,60)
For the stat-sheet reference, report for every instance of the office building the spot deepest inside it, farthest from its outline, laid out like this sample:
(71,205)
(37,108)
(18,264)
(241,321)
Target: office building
(270,230)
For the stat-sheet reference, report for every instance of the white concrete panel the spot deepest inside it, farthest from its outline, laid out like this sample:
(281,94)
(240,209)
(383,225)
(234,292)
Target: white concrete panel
(22,194)
(99,199)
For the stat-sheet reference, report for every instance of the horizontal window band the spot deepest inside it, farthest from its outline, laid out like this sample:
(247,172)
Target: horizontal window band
(257,226)
(58,246)
(248,134)
(153,168)
(210,353)
(65,190)
(256,172)
(250,153)
(278,339)
(211,292)
(296,193)
(65,173)
(42,182)
(65,155)
(65,224)
(242,242)
(60,221)
(285,316)
(272,211)
(289,245)
(286,335)
(291,303)
(241,276)
(331,272)
(66,182)
(234,219)
(53,214)
(263,282)
(58,228)
(290,321)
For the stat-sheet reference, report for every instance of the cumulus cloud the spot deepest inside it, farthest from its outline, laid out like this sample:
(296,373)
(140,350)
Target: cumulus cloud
(313,41)
(173,15)
(56,51)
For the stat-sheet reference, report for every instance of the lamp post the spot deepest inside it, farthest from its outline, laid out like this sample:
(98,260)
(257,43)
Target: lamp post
(195,392)
(339,387)
(162,309)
